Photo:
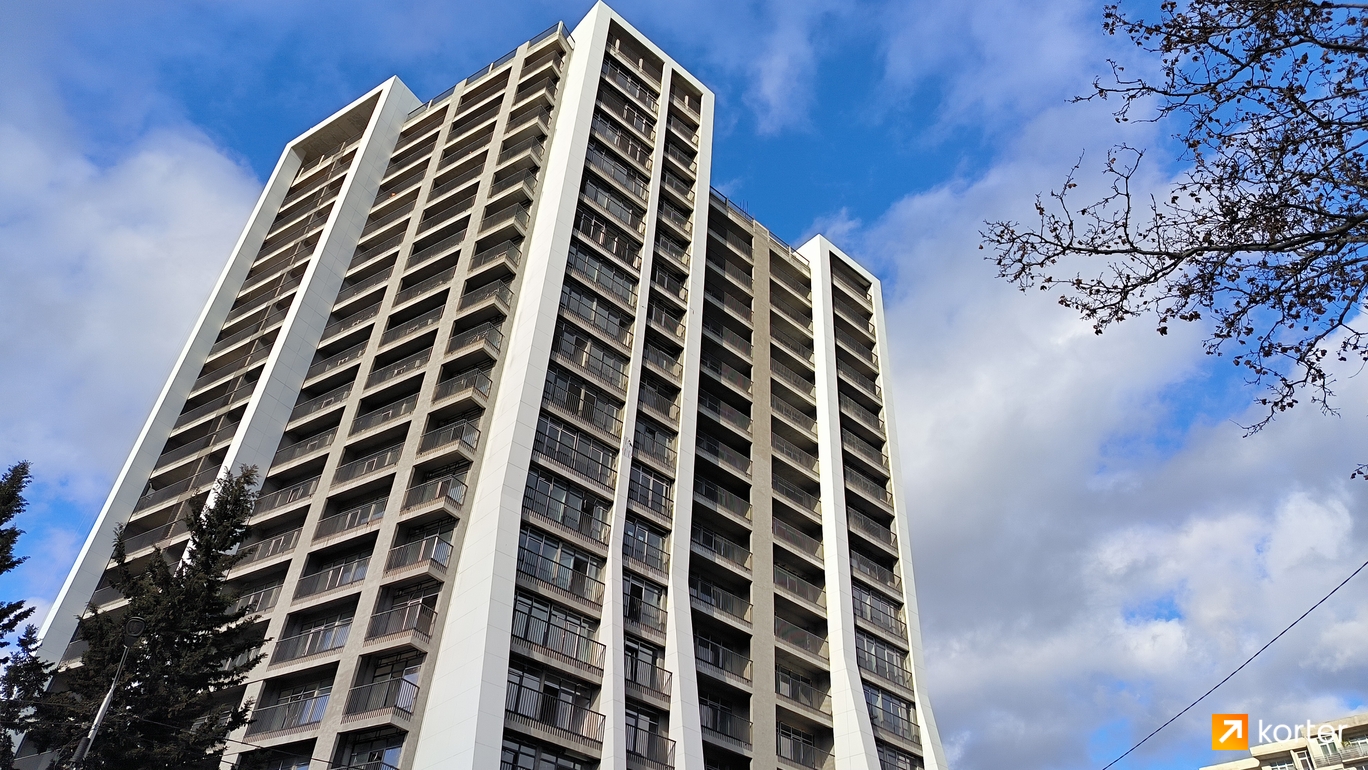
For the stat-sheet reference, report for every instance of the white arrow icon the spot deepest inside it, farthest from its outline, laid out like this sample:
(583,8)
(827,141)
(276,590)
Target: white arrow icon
(1236,727)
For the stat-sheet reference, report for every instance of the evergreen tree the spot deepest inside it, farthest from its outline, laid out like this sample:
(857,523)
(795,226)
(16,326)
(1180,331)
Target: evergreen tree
(23,683)
(176,701)
(12,504)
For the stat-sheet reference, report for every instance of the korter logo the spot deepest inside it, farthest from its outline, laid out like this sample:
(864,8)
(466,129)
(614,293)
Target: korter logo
(1230,732)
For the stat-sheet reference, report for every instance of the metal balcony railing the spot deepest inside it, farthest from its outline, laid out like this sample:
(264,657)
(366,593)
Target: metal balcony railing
(793,493)
(802,754)
(498,290)
(371,463)
(337,360)
(718,547)
(649,554)
(301,448)
(156,536)
(288,716)
(397,694)
(882,668)
(336,577)
(462,432)
(416,617)
(559,576)
(724,455)
(726,373)
(449,487)
(559,641)
(874,571)
(724,601)
(653,747)
(486,332)
(791,687)
(853,408)
(790,451)
(315,642)
(434,249)
(722,498)
(261,600)
(350,519)
(868,487)
(412,326)
(433,549)
(385,414)
(871,528)
(713,655)
(800,383)
(796,585)
(881,618)
(398,368)
(651,677)
(546,710)
(283,543)
(728,726)
(476,381)
(793,414)
(283,497)
(319,403)
(800,637)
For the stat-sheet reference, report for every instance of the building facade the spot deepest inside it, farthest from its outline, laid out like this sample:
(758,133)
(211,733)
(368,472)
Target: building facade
(1338,744)
(566,460)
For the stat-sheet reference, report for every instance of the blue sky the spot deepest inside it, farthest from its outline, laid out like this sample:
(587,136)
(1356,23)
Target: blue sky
(1096,543)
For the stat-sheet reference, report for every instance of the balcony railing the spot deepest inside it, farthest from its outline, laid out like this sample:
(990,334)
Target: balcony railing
(538,709)
(728,337)
(723,454)
(232,368)
(385,414)
(659,403)
(362,286)
(260,600)
(301,448)
(800,637)
(730,302)
(398,368)
(416,617)
(433,249)
(288,716)
(653,747)
(462,432)
(713,655)
(534,146)
(796,585)
(790,534)
(559,576)
(350,519)
(861,381)
(724,499)
(883,668)
(135,543)
(793,493)
(498,290)
(449,487)
(412,326)
(649,554)
(286,496)
(241,393)
(350,322)
(729,727)
(315,642)
(852,407)
(433,549)
(397,694)
(371,463)
(283,543)
(646,615)
(793,414)
(559,642)
(651,677)
(799,753)
(336,577)
(720,599)
(868,487)
(718,547)
(337,360)
(797,381)
(790,451)
(724,412)
(726,373)
(629,84)
(319,403)
(671,249)
(881,618)
(788,686)
(486,332)
(874,571)
(870,528)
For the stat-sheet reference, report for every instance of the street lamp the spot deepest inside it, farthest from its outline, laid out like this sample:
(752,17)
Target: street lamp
(133,628)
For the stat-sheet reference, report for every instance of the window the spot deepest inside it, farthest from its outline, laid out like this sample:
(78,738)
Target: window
(596,312)
(893,759)
(598,361)
(565,444)
(521,755)
(379,749)
(547,625)
(624,211)
(890,712)
(884,659)
(561,501)
(655,441)
(643,601)
(644,543)
(615,280)
(573,394)
(545,548)
(651,489)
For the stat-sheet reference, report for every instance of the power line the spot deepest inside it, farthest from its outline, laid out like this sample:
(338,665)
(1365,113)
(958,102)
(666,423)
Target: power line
(1228,677)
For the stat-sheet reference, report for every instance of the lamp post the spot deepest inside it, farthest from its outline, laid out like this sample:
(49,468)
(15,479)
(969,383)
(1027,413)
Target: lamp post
(133,629)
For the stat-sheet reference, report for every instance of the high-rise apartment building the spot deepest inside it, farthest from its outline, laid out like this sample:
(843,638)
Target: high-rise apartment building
(567,462)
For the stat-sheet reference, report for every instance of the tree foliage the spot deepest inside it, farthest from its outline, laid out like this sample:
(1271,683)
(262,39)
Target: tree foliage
(177,700)
(12,504)
(1265,236)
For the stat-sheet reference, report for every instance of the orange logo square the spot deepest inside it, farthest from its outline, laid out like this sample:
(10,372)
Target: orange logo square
(1230,732)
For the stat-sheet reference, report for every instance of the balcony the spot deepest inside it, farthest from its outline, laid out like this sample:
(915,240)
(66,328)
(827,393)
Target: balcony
(393,695)
(881,619)
(665,322)
(283,497)
(399,213)
(261,600)
(793,379)
(384,415)
(793,689)
(434,550)
(870,528)
(794,495)
(724,372)
(336,361)
(862,294)
(485,334)
(361,287)
(369,464)
(475,382)
(864,449)
(195,446)
(557,643)
(721,662)
(718,602)
(230,369)
(800,348)
(793,414)
(721,499)
(737,307)
(723,455)
(801,638)
(669,248)
(533,148)
(629,84)
(337,577)
(560,578)
(262,550)
(350,322)
(417,618)
(534,711)
(500,292)
(872,570)
(304,448)
(666,363)
(645,616)
(197,483)
(797,586)
(869,488)
(884,669)
(648,749)
(311,643)
(155,536)
(861,349)
(434,250)
(719,549)
(367,252)
(644,676)
(450,489)
(736,342)
(350,519)
(799,753)
(211,406)
(859,380)
(723,412)
(398,368)
(659,404)
(725,728)
(790,451)
(648,555)
(319,403)
(462,433)
(853,408)
(507,252)
(294,715)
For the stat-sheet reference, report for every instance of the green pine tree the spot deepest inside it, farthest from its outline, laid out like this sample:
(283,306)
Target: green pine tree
(177,700)
(12,504)
(23,683)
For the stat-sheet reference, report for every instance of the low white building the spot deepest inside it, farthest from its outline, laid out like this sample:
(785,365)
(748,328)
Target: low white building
(1337,743)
